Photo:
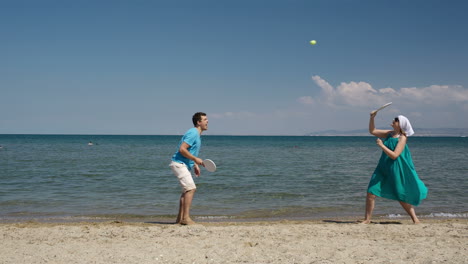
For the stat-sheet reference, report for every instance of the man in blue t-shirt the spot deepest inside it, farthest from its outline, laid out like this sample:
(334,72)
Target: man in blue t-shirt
(186,158)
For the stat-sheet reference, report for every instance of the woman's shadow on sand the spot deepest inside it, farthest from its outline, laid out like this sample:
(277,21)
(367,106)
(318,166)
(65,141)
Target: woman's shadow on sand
(358,222)
(325,221)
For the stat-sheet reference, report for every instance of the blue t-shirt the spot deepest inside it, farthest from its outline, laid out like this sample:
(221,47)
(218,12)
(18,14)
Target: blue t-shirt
(193,139)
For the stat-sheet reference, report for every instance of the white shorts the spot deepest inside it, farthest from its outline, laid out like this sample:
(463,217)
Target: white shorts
(183,174)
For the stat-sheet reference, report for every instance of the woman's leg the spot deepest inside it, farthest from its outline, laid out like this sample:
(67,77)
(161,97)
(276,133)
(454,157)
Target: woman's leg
(410,210)
(370,203)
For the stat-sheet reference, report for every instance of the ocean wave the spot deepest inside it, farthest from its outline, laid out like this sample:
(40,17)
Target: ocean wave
(449,215)
(214,217)
(433,215)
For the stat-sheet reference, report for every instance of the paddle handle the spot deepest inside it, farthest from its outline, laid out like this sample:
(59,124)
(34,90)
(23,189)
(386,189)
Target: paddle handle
(382,107)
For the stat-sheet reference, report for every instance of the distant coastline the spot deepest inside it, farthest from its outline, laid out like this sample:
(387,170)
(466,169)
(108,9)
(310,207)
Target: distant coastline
(420,132)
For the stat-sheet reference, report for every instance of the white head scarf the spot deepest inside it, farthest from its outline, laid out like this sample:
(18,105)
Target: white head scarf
(405,125)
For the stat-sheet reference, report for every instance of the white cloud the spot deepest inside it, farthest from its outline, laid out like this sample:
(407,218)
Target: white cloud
(346,107)
(387,91)
(356,94)
(437,94)
(362,94)
(327,89)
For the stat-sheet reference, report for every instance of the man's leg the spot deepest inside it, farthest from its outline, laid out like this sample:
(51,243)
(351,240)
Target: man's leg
(180,216)
(186,181)
(186,204)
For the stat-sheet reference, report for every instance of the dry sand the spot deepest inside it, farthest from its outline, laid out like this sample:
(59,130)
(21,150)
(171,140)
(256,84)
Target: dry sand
(435,241)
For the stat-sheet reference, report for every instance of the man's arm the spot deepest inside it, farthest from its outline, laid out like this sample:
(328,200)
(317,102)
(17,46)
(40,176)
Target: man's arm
(184,151)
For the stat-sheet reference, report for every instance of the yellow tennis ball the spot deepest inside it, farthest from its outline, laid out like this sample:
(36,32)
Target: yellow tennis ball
(313,42)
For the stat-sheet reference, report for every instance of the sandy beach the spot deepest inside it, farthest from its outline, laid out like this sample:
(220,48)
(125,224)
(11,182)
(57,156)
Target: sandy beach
(319,241)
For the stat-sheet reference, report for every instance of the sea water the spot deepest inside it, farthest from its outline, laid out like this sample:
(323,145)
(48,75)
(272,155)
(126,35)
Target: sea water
(258,177)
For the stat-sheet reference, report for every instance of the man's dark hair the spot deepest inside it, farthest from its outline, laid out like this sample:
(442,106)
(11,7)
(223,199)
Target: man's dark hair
(197,117)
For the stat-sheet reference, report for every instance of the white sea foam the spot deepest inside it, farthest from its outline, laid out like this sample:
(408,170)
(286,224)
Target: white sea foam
(395,216)
(214,217)
(449,215)
(434,215)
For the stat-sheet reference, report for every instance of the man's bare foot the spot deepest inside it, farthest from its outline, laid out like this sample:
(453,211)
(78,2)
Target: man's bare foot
(365,222)
(187,222)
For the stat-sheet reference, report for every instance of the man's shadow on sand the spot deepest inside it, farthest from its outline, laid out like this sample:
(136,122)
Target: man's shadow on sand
(358,222)
(161,223)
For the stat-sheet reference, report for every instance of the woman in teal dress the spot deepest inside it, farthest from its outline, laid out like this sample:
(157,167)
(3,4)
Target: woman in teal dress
(395,176)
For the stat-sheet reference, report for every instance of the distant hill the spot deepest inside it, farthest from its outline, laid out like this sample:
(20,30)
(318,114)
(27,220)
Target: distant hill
(421,132)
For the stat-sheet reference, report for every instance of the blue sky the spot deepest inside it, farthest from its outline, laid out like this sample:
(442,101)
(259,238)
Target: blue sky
(144,67)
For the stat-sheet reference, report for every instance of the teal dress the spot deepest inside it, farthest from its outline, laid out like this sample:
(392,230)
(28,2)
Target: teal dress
(397,179)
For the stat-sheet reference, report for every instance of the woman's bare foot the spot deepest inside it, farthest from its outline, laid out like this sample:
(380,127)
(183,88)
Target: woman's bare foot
(365,222)
(187,222)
